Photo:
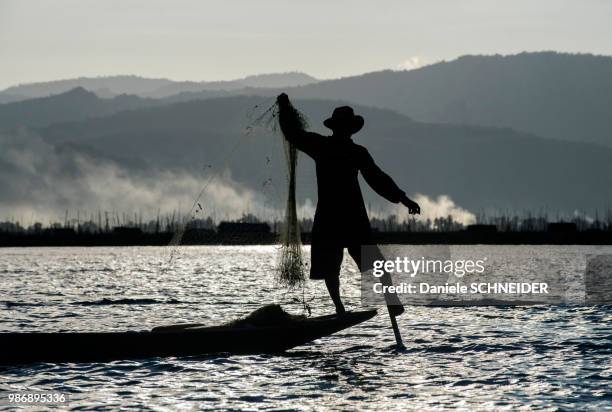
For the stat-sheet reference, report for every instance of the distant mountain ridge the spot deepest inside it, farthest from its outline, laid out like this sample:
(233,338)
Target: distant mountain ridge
(73,105)
(111,86)
(114,85)
(260,81)
(10,98)
(555,95)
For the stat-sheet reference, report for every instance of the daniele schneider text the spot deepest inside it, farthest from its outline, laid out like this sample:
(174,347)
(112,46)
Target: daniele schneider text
(458,268)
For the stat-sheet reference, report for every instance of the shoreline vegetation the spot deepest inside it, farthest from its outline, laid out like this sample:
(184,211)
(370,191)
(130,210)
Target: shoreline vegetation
(250,230)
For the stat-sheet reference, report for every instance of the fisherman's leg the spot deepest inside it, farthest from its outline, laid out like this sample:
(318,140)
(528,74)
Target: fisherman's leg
(366,263)
(325,262)
(333,287)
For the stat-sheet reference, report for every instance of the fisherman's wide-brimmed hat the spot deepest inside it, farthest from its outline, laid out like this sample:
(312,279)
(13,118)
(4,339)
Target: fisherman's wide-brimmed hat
(344,118)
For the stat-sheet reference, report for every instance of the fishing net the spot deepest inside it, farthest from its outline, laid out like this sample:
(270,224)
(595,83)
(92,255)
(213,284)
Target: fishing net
(290,267)
(290,270)
(268,315)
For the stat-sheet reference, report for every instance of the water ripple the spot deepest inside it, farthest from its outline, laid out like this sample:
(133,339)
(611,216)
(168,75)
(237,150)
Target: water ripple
(492,358)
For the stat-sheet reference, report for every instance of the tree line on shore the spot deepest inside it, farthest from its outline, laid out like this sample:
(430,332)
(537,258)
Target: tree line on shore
(170,223)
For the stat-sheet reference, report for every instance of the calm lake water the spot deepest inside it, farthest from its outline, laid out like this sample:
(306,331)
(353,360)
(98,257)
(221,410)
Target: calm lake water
(487,358)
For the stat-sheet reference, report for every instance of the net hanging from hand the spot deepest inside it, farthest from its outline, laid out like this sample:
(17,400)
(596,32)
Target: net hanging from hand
(290,270)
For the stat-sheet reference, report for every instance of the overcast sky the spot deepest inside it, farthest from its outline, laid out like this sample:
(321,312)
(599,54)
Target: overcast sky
(212,40)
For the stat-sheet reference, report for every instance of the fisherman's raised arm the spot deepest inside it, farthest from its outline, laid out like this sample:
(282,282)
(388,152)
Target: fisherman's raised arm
(292,128)
(383,184)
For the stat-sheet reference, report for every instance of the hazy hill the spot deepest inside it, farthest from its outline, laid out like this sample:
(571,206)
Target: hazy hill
(478,167)
(9,98)
(76,104)
(146,87)
(282,80)
(114,85)
(549,94)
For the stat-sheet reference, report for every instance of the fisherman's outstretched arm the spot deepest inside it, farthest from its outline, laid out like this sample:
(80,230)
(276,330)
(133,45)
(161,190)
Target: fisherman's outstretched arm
(384,185)
(292,128)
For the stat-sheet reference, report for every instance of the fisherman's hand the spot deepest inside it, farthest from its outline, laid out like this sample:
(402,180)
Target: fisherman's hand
(413,207)
(282,99)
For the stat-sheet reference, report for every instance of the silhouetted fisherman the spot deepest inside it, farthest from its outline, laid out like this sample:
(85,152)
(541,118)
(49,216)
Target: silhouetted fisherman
(341,220)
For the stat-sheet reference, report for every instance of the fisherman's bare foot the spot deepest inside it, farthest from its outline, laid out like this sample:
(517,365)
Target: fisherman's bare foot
(340,309)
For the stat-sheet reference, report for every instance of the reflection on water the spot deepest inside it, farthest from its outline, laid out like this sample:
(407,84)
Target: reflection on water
(483,358)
